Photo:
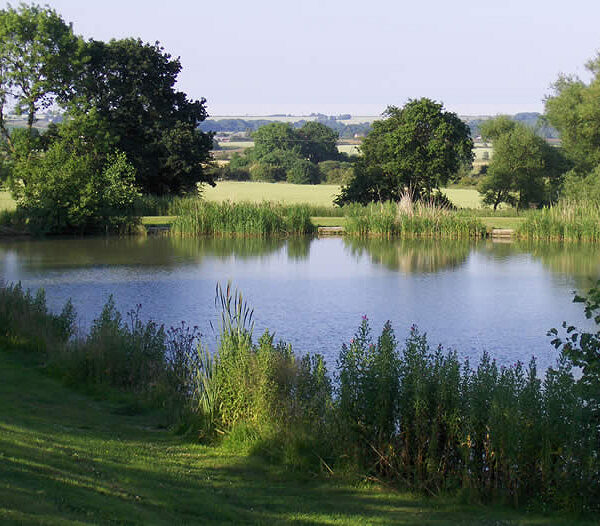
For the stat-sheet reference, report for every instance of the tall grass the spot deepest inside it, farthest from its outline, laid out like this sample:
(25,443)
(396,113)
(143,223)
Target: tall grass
(566,221)
(196,217)
(407,219)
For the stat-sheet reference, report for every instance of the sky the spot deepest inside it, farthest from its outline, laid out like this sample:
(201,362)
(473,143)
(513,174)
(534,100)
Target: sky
(263,57)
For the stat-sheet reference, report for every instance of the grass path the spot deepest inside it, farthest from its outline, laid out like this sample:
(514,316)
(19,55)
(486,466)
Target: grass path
(68,459)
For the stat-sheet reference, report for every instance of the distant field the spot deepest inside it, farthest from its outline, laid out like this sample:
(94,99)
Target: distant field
(464,197)
(350,149)
(6,201)
(480,150)
(320,195)
(236,145)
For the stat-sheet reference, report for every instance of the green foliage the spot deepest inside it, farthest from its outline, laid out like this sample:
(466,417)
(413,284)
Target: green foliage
(419,147)
(196,217)
(318,142)
(407,219)
(336,172)
(574,110)
(39,57)
(368,394)
(74,188)
(132,85)
(266,172)
(565,221)
(524,168)
(26,322)
(303,172)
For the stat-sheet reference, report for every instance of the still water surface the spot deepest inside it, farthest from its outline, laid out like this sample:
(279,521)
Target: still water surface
(499,297)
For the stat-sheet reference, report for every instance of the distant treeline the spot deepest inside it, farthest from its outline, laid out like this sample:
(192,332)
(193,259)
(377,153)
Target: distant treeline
(533,120)
(241,125)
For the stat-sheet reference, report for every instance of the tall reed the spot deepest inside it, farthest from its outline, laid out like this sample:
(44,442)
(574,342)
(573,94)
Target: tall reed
(196,217)
(566,221)
(411,220)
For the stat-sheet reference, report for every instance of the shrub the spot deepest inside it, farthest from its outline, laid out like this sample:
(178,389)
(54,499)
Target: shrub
(66,191)
(268,173)
(336,172)
(304,172)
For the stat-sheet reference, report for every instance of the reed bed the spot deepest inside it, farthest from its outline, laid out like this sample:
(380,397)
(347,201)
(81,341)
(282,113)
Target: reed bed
(198,218)
(411,220)
(566,221)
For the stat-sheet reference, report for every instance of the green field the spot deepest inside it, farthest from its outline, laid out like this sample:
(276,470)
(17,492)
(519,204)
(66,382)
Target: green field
(6,201)
(350,149)
(480,150)
(321,195)
(66,458)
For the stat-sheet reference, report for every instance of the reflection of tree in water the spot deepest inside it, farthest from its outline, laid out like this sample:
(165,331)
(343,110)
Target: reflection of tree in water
(89,251)
(412,255)
(151,251)
(197,248)
(580,261)
(298,248)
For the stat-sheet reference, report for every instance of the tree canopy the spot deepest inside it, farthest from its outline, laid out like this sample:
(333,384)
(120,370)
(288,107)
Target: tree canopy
(39,56)
(524,168)
(574,110)
(418,147)
(131,84)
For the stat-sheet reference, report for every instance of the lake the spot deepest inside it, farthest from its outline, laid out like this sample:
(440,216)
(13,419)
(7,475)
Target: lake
(469,296)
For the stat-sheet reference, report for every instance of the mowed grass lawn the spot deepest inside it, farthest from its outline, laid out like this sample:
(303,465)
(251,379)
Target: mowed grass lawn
(66,458)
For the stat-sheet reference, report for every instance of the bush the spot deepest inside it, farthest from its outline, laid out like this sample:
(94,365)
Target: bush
(65,190)
(266,172)
(336,172)
(304,172)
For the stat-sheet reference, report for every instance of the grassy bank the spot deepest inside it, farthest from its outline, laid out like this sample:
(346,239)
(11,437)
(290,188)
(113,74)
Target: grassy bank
(407,219)
(70,459)
(195,217)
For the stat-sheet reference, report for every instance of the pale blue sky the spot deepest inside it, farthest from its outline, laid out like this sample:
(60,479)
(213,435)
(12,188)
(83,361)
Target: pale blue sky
(350,56)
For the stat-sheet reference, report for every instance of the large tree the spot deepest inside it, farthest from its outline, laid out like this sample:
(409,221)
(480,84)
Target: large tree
(131,84)
(524,168)
(417,147)
(574,110)
(39,56)
(318,142)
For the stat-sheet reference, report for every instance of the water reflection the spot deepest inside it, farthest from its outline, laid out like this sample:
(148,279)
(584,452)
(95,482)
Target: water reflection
(154,251)
(412,256)
(578,261)
(502,297)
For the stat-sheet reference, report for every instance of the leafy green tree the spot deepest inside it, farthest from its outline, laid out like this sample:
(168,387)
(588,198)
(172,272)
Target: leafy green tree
(419,147)
(39,56)
(277,136)
(304,172)
(131,84)
(523,169)
(76,185)
(574,110)
(318,142)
